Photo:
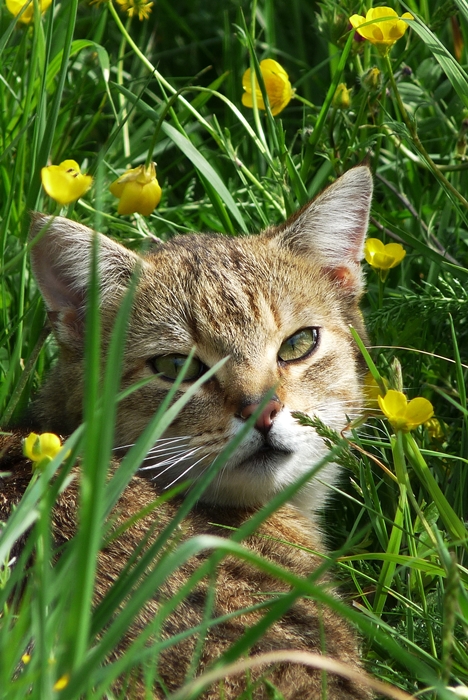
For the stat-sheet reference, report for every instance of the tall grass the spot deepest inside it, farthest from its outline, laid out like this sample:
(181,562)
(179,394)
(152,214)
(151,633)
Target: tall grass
(89,83)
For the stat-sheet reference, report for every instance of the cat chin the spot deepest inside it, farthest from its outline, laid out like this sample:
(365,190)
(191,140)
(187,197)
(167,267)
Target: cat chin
(253,486)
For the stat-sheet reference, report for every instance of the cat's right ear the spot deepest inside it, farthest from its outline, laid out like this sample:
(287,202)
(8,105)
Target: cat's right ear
(332,228)
(61,260)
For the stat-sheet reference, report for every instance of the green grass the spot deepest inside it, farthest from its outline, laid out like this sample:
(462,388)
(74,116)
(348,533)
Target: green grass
(72,85)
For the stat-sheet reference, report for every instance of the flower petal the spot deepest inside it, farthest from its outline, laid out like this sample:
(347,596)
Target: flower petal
(418,411)
(377,34)
(247,99)
(64,182)
(15,7)
(393,405)
(382,261)
(138,190)
(277,86)
(395,251)
(372,246)
(379,12)
(356,21)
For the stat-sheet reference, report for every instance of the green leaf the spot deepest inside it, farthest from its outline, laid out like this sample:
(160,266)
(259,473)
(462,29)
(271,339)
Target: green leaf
(452,69)
(205,169)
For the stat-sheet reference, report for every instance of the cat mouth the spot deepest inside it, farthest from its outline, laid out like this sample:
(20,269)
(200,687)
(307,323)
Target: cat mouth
(266,457)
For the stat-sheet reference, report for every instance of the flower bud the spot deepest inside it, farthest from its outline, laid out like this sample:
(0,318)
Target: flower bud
(342,97)
(371,80)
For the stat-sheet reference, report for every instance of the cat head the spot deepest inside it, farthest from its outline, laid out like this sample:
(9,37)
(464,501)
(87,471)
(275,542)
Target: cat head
(278,305)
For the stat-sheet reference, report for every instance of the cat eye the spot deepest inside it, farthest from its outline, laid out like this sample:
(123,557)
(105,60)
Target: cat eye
(299,345)
(170,366)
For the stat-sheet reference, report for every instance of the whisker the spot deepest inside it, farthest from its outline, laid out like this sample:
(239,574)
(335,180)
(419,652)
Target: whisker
(159,440)
(164,451)
(186,471)
(171,462)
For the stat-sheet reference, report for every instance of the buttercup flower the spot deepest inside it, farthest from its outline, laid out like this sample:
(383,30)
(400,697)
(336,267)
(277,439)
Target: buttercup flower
(403,414)
(383,257)
(386,28)
(38,447)
(64,182)
(138,190)
(15,7)
(277,86)
(436,429)
(140,8)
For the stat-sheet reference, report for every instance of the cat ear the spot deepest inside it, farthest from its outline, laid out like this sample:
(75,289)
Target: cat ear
(61,260)
(332,228)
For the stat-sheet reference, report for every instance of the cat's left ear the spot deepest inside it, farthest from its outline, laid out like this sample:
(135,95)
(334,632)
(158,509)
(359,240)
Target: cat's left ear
(332,228)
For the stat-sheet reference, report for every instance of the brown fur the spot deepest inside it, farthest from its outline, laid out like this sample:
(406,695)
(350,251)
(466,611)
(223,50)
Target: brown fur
(228,297)
(238,585)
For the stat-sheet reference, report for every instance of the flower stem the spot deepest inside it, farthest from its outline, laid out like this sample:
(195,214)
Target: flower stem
(452,522)
(417,143)
(381,292)
(396,535)
(124,114)
(154,71)
(305,102)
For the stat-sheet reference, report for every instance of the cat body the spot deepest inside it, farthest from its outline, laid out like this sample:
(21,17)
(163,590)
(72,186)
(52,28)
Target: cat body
(278,306)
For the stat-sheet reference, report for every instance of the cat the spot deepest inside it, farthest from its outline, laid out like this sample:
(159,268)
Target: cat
(277,305)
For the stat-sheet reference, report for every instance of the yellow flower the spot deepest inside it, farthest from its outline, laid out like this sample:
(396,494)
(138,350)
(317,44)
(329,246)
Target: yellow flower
(381,256)
(37,447)
(15,7)
(436,429)
(342,97)
(141,8)
(403,414)
(386,28)
(138,190)
(64,182)
(372,391)
(26,658)
(62,682)
(277,86)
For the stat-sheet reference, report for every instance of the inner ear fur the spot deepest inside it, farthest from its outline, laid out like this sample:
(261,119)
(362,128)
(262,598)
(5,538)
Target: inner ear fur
(332,228)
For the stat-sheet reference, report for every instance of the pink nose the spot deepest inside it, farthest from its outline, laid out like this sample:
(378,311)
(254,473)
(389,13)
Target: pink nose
(266,417)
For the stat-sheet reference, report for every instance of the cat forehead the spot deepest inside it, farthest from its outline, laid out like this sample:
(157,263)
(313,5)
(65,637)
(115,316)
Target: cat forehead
(238,271)
(204,286)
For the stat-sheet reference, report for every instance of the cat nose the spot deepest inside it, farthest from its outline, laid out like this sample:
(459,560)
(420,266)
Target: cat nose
(266,417)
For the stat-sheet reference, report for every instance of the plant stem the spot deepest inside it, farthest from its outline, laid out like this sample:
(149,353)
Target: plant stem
(396,536)
(124,114)
(416,141)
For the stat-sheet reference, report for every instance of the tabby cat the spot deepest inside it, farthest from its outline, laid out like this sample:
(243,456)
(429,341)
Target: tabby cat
(278,306)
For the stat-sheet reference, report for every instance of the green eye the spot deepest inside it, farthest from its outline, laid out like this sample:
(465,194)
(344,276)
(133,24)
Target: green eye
(299,345)
(170,366)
